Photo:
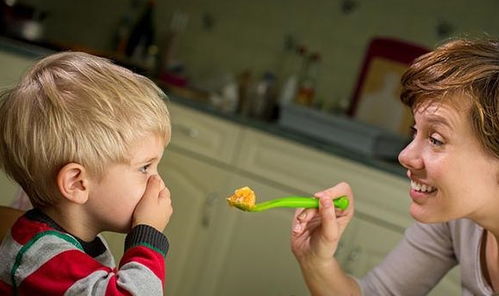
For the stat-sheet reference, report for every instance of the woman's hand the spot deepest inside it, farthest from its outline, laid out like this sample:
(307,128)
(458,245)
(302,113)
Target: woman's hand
(317,232)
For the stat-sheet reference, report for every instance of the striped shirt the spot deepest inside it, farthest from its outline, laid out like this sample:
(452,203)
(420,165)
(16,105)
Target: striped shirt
(38,257)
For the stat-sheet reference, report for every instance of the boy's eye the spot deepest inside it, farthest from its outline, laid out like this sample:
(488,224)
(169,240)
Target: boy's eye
(144,168)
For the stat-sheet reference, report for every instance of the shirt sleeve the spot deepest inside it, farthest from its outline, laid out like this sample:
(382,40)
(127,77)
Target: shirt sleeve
(60,267)
(416,265)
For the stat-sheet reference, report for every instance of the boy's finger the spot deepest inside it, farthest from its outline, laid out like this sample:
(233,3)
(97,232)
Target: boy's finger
(153,186)
(164,194)
(162,183)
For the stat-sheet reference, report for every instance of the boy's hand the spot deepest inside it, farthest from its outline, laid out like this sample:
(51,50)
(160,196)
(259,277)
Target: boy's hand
(155,207)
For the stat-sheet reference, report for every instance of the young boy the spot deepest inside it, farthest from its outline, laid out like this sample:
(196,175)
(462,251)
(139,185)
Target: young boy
(83,137)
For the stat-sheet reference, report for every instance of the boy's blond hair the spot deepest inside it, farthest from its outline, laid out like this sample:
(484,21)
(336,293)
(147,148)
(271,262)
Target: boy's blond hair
(75,107)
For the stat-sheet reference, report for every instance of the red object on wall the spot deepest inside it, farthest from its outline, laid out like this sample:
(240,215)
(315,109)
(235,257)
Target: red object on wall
(388,48)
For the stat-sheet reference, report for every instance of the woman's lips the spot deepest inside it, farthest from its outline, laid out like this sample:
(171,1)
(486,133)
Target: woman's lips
(421,192)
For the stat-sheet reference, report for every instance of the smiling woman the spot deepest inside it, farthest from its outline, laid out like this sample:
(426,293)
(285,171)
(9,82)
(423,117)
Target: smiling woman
(441,148)
(453,165)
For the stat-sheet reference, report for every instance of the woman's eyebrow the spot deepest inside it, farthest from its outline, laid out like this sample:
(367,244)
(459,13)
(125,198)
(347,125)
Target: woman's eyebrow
(439,120)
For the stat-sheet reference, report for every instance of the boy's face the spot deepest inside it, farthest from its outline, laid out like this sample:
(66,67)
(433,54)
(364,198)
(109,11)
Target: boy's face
(112,199)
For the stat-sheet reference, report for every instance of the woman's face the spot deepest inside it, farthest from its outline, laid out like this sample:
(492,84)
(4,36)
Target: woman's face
(451,174)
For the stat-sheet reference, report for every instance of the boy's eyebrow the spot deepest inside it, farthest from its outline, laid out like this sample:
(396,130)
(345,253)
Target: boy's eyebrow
(150,159)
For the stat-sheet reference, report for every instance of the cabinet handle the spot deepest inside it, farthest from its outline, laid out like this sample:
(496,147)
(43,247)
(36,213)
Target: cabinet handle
(354,254)
(351,260)
(208,208)
(339,249)
(186,130)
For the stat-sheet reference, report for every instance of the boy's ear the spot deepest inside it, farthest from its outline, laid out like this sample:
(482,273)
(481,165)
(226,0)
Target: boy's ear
(72,181)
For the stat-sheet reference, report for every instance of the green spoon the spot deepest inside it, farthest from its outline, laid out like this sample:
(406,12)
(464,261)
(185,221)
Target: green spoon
(290,202)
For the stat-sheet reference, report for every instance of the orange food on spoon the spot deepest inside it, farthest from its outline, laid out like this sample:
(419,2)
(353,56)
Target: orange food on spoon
(243,198)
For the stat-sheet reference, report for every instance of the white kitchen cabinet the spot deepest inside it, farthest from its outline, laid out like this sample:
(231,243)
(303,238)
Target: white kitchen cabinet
(221,251)
(308,170)
(197,191)
(202,134)
(365,245)
(300,170)
(8,189)
(449,285)
(256,258)
(381,199)
(12,67)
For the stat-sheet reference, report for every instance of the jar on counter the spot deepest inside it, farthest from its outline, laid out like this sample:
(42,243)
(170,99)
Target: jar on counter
(263,97)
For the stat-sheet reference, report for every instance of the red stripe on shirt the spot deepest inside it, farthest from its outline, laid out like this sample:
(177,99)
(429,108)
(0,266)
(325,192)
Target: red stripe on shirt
(5,289)
(59,273)
(148,257)
(24,229)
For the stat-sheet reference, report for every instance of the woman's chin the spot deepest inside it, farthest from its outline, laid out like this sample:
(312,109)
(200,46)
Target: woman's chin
(420,214)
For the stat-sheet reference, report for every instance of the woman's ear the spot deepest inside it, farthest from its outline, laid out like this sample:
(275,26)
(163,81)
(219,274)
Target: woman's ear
(73,183)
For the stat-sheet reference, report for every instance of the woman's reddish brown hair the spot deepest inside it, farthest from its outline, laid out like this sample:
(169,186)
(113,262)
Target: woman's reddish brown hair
(466,72)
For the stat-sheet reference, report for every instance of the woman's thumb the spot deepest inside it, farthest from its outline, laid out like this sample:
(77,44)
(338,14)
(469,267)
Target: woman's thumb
(328,217)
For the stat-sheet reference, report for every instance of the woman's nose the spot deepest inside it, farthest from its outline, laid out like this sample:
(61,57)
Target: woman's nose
(410,157)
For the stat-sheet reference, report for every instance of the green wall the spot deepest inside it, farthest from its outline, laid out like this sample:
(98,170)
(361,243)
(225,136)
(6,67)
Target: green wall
(250,34)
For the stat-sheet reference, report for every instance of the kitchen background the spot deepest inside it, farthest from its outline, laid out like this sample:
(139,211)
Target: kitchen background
(209,44)
(232,70)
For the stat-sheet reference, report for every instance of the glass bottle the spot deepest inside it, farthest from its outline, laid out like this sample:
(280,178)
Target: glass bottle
(142,35)
(307,84)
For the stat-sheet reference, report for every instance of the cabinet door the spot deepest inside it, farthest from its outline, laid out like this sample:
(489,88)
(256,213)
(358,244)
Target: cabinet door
(366,245)
(8,189)
(377,193)
(197,192)
(449,285)
(257,258)
(13,66)
(203,134)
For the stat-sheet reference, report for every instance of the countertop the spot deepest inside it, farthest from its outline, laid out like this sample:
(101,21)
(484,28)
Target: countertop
(275,129)
(31,50)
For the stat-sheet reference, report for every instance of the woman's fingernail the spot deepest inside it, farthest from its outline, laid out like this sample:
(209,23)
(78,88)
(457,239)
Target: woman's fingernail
(326,202)
(302,215)
(297,227)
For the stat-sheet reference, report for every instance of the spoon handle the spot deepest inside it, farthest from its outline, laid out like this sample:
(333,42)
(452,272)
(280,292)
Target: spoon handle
(298,202)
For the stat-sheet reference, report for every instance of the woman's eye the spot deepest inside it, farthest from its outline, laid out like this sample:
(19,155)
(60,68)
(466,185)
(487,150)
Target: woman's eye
(435,141)
(413,132)
(144,168)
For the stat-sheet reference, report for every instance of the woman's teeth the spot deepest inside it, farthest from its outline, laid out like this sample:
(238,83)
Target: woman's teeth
(421,187)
